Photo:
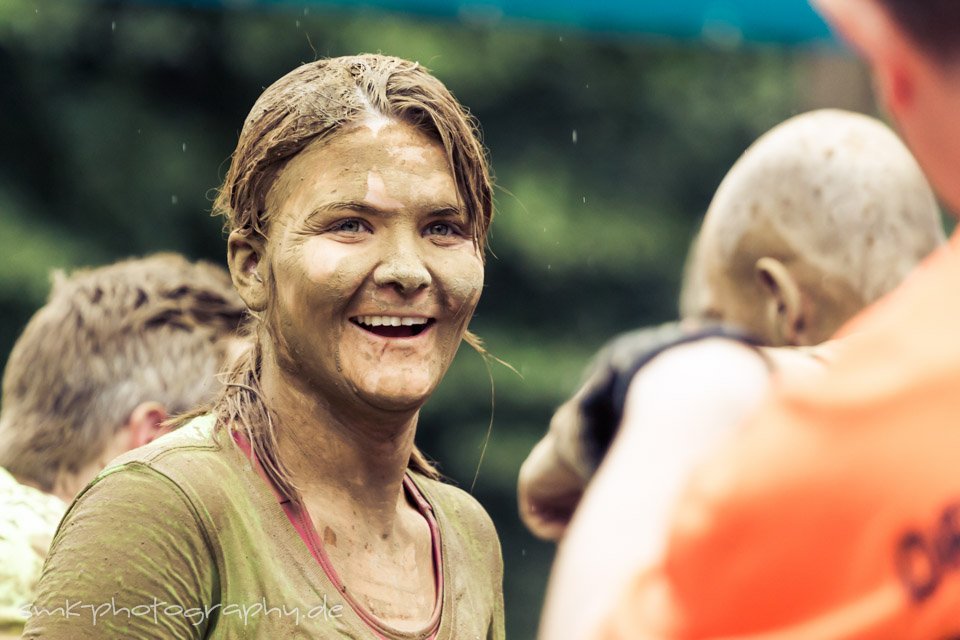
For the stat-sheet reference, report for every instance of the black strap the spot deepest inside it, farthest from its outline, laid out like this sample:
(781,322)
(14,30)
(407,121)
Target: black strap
(602,408)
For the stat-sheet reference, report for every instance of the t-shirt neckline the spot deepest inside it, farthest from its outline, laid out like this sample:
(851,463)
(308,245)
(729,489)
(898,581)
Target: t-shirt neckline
(300,520)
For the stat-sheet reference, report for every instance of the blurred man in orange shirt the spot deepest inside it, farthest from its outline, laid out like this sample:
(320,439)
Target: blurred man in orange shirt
(833,512)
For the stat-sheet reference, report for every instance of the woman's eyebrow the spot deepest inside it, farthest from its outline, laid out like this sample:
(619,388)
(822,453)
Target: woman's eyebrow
(449,210)
(360,206)
(353,205)
(345,206)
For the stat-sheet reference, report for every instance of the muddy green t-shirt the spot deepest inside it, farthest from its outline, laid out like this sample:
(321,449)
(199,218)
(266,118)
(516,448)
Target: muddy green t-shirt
(183,539)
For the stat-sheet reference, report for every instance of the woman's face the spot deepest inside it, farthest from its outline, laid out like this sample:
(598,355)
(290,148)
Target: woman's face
(376,274)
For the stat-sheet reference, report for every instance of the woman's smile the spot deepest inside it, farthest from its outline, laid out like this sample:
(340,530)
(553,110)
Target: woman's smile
(388,326)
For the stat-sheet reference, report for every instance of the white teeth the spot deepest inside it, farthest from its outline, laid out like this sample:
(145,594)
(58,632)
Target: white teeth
(389,321)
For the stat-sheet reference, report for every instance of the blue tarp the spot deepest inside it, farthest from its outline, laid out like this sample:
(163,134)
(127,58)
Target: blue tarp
(790,21)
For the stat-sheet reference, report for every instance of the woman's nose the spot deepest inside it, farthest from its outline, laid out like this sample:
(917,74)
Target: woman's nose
(402,268)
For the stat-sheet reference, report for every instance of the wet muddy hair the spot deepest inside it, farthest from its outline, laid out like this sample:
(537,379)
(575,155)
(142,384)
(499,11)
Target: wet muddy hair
(316,100)
(311,103)
(933,24)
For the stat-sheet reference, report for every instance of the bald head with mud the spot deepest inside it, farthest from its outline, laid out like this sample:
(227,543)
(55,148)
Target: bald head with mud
(821,216)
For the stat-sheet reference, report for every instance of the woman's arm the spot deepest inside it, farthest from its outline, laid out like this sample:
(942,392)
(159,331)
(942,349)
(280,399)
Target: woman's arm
(130,560)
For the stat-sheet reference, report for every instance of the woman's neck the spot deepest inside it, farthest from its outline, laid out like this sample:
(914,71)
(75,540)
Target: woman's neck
(341,454)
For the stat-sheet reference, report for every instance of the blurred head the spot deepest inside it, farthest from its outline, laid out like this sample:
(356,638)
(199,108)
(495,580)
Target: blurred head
(914,51)
(103,363)
(821,216)
(358,198)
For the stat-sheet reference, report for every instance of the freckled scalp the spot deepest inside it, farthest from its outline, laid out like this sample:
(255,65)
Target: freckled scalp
(835,189)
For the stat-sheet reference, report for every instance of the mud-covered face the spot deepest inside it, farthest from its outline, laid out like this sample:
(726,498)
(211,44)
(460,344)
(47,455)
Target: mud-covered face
(376,274)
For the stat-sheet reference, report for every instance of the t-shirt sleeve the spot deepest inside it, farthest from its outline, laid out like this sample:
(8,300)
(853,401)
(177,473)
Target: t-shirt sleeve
(130,560)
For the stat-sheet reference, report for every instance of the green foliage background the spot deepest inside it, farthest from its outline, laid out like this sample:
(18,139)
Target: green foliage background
(117,120)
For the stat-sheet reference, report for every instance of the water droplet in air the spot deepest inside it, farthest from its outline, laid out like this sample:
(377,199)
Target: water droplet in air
(174,199)
(574,136)
(183,147)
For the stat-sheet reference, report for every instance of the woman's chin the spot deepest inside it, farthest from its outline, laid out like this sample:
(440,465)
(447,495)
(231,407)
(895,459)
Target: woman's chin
(401,395)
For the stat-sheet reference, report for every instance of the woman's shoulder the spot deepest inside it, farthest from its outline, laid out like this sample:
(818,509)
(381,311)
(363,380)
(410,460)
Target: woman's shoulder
(192,462)
(189,455)
(459,509)
(170,493)
(158,474)
(472,558)
(127,534)
(198,435)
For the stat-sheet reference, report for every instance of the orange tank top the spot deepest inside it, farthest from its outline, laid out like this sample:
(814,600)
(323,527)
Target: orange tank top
(834,514)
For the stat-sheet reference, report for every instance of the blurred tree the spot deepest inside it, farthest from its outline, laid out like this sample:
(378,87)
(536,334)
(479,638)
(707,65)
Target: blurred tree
(118,120)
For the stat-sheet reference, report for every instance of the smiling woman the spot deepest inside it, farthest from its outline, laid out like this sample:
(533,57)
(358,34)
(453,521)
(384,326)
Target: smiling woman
(358,202)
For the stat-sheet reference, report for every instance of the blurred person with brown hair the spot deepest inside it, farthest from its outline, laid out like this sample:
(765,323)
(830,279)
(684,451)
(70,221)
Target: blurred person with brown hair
(358,202)
(97,371)
(831,510)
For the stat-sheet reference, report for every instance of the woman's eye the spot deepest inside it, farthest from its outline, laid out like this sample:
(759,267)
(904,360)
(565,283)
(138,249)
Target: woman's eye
(441,229)
(349,226)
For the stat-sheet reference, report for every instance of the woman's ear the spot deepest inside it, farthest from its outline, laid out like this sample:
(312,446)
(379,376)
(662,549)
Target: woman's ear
(785,317)
(245,251)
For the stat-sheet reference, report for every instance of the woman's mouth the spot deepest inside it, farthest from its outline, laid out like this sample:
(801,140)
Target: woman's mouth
(393,326)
